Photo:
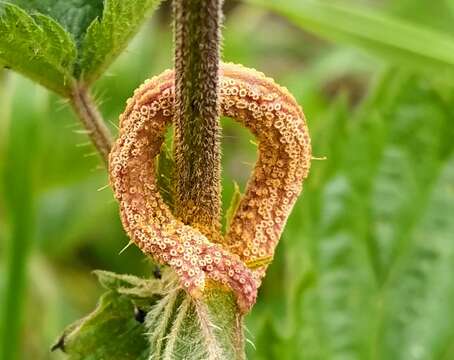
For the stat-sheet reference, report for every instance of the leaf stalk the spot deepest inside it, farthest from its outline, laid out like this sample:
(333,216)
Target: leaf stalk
(87,111)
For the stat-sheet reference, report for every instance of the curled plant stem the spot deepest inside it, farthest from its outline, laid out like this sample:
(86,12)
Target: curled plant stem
(92,120)
(273,116)
(196,118)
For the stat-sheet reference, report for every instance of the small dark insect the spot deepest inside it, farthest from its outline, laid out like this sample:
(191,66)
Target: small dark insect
(139,315)
(157,272)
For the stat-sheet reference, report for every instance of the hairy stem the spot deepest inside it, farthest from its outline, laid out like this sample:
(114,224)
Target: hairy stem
(196,120)
(90,116)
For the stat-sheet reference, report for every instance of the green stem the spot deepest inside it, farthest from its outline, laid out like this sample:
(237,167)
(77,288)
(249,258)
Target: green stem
(197,156)
(196,121)
(91,118)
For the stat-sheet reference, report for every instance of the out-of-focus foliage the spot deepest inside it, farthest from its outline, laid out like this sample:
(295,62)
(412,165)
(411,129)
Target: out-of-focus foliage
(375,229)
(364,268)
(391,38)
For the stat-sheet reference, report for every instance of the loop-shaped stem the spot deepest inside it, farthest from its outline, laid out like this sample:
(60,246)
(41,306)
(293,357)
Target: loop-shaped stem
(277,121)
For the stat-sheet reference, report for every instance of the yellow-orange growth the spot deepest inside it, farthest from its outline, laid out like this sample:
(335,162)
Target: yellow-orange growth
(274,117)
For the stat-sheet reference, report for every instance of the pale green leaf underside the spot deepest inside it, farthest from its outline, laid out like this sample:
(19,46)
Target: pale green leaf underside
(388,37)
(110,332)
(180,327)
(140,319)
(113,331)
(107,36)
(37,47)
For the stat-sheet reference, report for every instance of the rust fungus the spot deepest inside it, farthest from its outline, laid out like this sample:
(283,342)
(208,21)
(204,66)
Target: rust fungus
(271,113)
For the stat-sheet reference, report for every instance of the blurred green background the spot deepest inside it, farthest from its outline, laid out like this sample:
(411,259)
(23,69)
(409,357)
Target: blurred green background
(364,269)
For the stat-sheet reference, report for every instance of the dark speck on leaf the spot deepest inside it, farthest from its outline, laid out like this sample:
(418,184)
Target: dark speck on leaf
(157,273)
(59,345)
(139,315)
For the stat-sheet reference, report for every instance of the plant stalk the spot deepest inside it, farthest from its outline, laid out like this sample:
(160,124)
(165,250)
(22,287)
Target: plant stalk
(87,111)
(197,132)
(196,121)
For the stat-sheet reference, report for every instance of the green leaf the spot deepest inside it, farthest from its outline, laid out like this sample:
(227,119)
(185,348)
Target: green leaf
(176,325)
(405,172)
(420,292)
(37,47)
(108,35)
(74,15)
(372,234)
(115,329)
(234,202)
(340,297)
(180,327)
(132,286)
(370,30)
(166,166)
(110,332)
(52,41)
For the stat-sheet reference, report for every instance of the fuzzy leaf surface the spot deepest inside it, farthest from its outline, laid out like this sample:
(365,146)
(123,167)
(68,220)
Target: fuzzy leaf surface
(74,15)
(109,34)
(55,41)
(37,47)
(113,330)
(180,327)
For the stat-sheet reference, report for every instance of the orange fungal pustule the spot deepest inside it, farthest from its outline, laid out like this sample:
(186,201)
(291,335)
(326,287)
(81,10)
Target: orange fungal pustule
(284,153)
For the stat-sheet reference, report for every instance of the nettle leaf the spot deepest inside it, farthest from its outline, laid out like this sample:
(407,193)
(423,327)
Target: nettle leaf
(56,41)
(180,327)
(108,35)
(115,329)
(155,319)
(110,332)
(38,47)
(74,15)
(376,256)
(132,286)
(412,156)
(426,281)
